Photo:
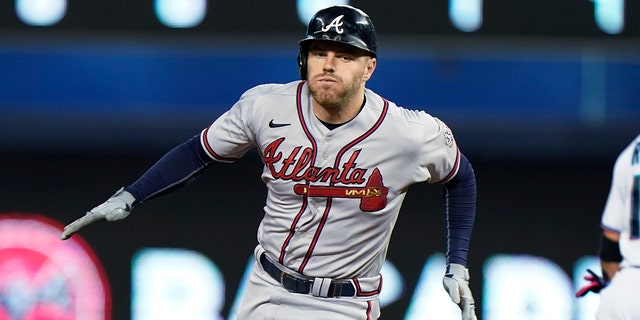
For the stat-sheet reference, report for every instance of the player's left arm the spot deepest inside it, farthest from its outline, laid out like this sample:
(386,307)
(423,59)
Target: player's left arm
(460,209)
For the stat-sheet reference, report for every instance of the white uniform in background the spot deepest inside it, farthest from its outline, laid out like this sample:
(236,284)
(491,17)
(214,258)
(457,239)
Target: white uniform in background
(621,298)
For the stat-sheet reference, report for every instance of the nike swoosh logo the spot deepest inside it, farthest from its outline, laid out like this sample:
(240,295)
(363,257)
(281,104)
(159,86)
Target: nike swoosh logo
(277,125)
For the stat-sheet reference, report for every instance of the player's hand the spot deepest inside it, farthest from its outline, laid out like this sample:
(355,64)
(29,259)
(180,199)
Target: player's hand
(596,283)
(115,208)
(456,282)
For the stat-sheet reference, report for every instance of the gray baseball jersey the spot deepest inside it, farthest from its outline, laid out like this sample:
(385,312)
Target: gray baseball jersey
(333,195)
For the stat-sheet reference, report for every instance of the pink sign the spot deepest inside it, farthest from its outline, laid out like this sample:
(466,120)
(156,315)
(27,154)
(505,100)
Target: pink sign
(43,277)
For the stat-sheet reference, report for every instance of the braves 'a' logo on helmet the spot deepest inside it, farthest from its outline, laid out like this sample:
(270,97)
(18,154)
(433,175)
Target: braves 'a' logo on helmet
(335,23)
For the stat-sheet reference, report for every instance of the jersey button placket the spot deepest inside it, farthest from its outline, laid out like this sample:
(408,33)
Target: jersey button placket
(327,140)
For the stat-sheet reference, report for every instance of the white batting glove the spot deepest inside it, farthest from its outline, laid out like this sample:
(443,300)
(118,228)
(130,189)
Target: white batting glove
(456,282)
(115,208)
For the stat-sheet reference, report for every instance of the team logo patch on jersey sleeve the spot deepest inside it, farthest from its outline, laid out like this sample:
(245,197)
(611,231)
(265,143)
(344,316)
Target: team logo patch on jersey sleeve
(446,132)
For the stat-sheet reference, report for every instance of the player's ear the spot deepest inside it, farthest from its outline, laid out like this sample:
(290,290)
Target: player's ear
(369,68)
(302,63)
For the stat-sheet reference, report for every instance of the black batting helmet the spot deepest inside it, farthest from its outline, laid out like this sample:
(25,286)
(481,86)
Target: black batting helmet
(344,24)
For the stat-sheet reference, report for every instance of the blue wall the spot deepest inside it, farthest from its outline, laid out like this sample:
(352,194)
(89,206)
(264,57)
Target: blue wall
(117,93)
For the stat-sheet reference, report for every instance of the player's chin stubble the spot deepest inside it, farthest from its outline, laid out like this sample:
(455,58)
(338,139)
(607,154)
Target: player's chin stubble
(333,96)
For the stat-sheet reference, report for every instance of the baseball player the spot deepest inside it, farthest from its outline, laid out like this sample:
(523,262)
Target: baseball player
(620,245)
(338,160)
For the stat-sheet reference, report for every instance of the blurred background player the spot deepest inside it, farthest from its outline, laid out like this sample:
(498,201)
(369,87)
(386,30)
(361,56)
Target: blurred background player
(620,245)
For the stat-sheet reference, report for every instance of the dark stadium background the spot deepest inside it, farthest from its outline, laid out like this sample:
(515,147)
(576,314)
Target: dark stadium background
(541,109)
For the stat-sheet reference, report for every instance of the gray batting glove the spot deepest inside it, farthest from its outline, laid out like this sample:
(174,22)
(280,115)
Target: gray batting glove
(456,282)
(115,208)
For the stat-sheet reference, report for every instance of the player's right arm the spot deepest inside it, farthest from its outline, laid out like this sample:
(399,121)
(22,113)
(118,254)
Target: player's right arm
(181,165)
(174,170)
(177,168)
(615,219)
(610,256)
(616,215)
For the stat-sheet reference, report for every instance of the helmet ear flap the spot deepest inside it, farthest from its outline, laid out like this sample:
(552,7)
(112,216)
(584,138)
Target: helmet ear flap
(302,63)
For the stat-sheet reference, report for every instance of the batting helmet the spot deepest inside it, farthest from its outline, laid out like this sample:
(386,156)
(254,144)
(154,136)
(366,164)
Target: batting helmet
(344,24)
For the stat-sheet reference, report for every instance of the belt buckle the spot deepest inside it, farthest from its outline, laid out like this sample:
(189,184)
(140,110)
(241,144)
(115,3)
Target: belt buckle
(344,284)
(287,276)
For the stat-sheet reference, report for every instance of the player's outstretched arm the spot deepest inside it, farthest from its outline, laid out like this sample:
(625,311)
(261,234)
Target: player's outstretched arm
(175,169)
(115,208)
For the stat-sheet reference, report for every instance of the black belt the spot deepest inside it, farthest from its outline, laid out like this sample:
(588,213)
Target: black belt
(296,284)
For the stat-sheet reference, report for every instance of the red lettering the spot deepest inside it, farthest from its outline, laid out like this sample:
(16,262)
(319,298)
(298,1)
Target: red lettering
(298,166)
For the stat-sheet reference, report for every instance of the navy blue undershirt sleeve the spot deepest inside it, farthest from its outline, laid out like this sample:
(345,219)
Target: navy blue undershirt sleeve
(175,169)
(460,212)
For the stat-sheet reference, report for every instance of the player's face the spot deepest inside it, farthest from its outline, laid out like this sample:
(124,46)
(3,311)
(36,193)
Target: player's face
(337,73)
